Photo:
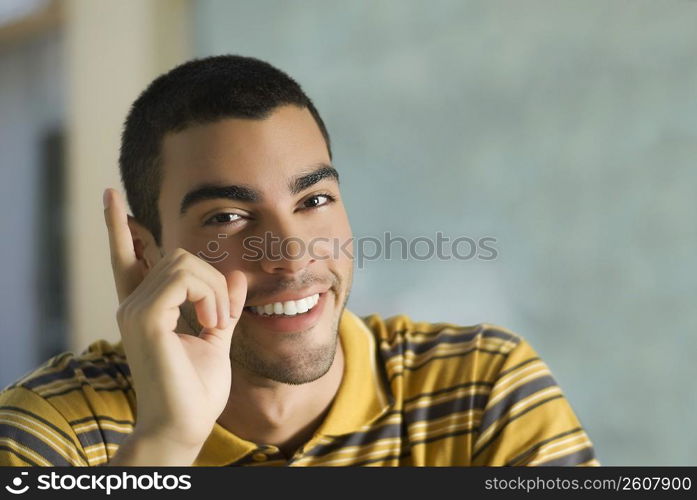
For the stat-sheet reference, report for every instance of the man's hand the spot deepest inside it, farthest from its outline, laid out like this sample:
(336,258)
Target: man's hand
(182,382)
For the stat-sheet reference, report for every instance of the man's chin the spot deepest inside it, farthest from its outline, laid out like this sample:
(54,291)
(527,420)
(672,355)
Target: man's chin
(300,361)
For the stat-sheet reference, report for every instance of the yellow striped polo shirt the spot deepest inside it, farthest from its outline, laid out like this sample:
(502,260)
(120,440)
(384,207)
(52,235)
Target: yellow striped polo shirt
(412,394)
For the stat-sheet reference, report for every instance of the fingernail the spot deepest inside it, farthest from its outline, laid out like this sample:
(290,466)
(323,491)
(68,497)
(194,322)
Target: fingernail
(106,199)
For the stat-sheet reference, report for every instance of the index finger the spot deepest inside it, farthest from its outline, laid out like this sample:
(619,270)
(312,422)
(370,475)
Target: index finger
(124,262)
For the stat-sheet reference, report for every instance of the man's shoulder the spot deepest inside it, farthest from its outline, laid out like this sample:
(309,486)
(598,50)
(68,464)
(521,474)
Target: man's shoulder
(101,365)
(78,386)
(74,409)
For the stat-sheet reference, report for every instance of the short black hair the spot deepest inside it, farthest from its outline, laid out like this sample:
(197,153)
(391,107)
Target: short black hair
(197,92)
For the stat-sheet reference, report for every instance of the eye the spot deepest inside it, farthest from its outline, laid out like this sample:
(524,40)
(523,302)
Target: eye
(318,200)
(223,219)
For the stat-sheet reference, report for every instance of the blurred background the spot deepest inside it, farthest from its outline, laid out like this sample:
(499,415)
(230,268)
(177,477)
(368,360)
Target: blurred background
(566,130)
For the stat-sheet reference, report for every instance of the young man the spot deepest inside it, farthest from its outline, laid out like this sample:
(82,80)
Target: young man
(248,356)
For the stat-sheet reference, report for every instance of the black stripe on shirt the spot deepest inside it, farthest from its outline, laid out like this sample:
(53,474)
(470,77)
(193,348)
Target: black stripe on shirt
(83,384)
(444,338)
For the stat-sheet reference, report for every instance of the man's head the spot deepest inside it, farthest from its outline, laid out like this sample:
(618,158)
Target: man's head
(227,158)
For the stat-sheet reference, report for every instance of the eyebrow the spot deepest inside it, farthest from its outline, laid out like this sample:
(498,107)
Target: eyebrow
(247,194)
(213,192)
(304,181)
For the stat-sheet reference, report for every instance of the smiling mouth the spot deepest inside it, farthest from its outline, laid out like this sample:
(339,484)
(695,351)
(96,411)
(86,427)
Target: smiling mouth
(287,308)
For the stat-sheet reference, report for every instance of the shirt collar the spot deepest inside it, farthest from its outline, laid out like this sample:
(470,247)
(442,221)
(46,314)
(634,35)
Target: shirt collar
(362,397)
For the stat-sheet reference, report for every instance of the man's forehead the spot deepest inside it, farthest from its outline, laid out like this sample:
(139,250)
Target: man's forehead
(257,154)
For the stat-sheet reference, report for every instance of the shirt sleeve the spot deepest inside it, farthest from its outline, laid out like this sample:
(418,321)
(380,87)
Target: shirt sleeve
(527,420)
(34,433)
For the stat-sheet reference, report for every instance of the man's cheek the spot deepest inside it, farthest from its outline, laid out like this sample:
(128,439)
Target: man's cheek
(343,244)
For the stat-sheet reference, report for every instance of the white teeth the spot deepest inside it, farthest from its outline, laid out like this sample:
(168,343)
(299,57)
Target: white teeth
(302,306)
(288,308)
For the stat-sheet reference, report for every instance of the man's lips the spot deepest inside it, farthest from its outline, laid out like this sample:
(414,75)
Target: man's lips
(289,323)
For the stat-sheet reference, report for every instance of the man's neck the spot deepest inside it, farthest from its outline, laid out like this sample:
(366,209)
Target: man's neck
(282,415)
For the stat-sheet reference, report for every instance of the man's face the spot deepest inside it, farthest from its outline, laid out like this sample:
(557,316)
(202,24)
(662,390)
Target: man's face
(239,194)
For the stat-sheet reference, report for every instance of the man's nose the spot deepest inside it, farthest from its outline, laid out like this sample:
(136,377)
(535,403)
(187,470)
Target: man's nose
(285,249)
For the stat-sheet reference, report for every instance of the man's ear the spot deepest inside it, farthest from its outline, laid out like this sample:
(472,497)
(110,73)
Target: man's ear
(144,244)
